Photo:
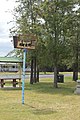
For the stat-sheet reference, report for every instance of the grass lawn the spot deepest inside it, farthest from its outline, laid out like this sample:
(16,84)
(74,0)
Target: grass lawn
(42,102)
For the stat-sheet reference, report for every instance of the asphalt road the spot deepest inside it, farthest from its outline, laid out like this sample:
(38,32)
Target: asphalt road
(28,76)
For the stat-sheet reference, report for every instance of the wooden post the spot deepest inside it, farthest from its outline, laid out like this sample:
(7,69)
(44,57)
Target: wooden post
(2,83)
(19,82)
(14,82)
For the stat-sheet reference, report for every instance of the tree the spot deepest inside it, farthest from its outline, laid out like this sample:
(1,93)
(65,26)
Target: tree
(50,21)
(55,14)
(74,40)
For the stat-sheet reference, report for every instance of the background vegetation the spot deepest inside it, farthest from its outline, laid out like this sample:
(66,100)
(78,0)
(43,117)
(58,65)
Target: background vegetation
(57,26)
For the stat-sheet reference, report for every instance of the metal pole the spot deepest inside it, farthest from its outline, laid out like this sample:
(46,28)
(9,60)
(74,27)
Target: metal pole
(23,73)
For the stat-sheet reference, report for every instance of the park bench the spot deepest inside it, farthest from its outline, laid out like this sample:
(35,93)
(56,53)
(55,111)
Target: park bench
(13,80)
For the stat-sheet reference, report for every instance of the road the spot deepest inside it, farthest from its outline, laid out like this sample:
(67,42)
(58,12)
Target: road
(48,75)
(27,76)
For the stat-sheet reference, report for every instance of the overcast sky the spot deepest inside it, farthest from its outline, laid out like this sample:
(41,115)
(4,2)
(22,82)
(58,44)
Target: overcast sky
(5,18)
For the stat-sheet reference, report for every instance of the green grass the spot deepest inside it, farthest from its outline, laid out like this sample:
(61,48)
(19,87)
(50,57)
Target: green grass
(42,102)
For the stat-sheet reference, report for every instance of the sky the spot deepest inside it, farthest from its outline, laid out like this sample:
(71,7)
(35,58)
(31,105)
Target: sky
(5,17)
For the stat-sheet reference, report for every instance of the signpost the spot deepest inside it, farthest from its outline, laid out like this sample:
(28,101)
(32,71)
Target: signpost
(23,74)
(27,41)
(24,42)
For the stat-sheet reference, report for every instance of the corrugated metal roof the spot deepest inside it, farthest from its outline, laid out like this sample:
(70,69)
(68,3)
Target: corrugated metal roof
(11,59)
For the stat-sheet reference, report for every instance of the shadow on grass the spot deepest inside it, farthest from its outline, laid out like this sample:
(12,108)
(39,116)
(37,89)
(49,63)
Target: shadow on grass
(66,88)
(10,88)
(41,111)
(44,111)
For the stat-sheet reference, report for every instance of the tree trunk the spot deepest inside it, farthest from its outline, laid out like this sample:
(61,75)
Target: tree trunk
(75,71)
(75,75)
(31,77)
(55,77)
(75,65)
(35,70)
(37,74)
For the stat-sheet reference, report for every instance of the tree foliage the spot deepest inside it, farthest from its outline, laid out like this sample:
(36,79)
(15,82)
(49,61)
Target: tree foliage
(56,24)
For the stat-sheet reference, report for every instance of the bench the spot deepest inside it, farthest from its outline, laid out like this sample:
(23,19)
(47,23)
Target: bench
(11,80)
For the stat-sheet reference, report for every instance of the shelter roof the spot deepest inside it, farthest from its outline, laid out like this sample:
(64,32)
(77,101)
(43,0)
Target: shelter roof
(11,59)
